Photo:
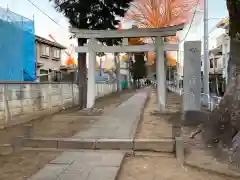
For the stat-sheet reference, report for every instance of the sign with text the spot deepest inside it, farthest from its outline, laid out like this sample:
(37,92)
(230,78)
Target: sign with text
(192,76)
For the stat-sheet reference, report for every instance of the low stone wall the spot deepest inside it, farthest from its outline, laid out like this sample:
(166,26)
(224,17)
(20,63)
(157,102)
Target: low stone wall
(24,99)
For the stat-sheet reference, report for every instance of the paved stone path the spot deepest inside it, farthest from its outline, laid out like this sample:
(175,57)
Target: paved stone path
(98,165)
(82,166)
(121,123)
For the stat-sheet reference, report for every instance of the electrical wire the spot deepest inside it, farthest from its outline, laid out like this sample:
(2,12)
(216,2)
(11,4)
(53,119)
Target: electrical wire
(195,11)
(36,6)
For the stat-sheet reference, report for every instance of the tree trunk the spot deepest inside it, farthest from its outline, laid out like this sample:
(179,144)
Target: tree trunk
(135,83)
(117,65)
(82,76)
(224,121)
(231,71)
(129,73)
(234,32)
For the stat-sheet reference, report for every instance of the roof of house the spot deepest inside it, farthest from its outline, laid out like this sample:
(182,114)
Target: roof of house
(48,42)
(216,50)
(224,23)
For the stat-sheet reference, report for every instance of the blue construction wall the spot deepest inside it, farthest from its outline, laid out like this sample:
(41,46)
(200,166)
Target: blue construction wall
(17,47)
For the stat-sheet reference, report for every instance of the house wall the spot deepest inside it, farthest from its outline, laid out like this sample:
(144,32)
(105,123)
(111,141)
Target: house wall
(225,50)
(224,41)
(217,62)
(48,62)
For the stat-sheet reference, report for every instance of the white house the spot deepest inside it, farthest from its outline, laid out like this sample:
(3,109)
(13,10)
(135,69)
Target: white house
(224,41)
(216,63)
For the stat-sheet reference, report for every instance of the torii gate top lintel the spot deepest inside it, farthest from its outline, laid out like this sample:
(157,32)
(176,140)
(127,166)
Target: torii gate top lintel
(127,33)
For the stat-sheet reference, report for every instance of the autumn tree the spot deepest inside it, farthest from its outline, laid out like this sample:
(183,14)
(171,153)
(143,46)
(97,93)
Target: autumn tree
(91,14)
(160,13)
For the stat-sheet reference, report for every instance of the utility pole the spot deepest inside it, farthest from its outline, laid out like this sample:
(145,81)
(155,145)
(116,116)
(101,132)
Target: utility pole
(178,70)
(205,47)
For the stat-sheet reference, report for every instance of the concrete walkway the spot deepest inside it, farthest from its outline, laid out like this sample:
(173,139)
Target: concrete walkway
(82,166)
(122,123)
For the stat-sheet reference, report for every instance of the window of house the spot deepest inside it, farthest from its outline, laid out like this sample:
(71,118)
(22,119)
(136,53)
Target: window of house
(43,71)
(45,50)
(211,63)
(57,76)
(56,53)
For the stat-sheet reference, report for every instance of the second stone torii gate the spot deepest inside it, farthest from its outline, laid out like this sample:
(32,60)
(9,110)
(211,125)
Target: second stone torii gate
(158,33)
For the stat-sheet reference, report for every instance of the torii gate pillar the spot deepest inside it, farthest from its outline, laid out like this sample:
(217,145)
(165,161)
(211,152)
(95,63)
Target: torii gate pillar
(161,76)
(91,76)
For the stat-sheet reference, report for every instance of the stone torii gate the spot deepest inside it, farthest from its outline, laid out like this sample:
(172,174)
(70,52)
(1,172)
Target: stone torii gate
(92,47)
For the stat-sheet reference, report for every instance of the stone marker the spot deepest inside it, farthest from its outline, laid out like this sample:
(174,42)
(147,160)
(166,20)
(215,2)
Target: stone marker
(192,80)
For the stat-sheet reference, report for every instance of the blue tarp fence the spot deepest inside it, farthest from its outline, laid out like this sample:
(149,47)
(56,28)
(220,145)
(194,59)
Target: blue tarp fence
(17,47)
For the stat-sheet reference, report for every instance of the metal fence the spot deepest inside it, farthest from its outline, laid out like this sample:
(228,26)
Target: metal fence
(207,100)
(18,100)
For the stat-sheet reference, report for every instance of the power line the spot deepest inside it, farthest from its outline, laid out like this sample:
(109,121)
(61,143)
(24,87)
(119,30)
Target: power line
(195,11)
(36,6)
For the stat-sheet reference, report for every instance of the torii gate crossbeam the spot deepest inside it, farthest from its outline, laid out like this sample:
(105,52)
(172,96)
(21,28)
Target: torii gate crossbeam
(160,47)
(127,33)
(125,49)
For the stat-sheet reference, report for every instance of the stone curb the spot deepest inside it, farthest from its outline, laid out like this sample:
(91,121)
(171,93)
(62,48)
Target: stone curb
(179,149)
(231,174)
(157,145)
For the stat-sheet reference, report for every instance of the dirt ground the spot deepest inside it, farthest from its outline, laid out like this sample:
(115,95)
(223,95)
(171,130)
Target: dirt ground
(60,124)
(164,125)
(161,168)
(68,124)
(21,165)
(158,126)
